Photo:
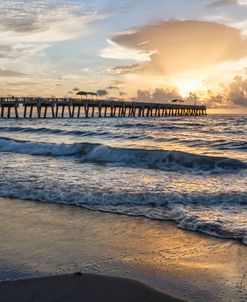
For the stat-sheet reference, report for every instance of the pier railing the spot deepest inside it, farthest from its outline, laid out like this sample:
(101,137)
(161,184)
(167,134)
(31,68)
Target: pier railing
(29,107)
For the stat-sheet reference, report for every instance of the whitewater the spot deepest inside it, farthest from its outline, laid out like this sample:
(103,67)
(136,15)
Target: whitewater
(190,170)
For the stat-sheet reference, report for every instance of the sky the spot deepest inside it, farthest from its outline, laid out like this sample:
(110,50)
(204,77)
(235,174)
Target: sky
(134,49)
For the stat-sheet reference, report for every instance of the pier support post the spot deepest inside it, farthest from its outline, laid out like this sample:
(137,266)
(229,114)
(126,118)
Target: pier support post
(31,112)
(52,111)
(16,112)
(25,111)
(79,111)
(70,113)
(39,111)
(86,111)
(45,112)
(73,111)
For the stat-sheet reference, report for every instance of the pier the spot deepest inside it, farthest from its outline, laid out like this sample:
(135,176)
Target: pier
(30,107)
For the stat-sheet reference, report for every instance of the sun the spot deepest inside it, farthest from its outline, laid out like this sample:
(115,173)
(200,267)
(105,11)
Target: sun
(185,86)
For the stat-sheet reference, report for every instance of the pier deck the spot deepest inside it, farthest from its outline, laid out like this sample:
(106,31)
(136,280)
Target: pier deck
(73,107)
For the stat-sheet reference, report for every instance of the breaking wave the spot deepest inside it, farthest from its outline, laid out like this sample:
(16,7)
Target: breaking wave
(99,153)
(187,211)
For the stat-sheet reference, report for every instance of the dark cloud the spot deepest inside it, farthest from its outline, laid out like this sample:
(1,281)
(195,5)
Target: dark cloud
(179,46)
(238,91)
(220,3)
(235,94)
(113,88)
(11,73)
(76,89)
(159,95)
(22,24)
(165,94)
(143,96)
(217,100)
(102,92)
(193,98)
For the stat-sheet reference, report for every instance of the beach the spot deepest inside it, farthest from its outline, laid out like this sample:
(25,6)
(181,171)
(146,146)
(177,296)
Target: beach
(77,288)
(39,240)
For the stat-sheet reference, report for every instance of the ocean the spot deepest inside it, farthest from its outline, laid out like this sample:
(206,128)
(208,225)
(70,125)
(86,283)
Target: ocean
(189,170)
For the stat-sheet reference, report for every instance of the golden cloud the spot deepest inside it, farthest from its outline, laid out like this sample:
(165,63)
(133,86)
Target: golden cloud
(180,46)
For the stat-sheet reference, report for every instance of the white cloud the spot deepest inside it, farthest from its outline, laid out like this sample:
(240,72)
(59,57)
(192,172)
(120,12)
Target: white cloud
(17,51)
(44,21)
(115,51)
(242,2)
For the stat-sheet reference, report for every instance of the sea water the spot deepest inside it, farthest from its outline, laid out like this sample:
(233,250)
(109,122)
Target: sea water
(191,170)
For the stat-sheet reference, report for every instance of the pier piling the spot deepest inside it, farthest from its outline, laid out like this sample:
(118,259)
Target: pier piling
(61,108)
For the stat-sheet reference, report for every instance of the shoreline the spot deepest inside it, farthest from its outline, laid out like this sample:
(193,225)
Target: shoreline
(81,287)
(57,239)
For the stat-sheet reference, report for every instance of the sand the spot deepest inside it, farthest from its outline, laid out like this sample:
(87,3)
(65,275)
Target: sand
(38,239)
(80,287)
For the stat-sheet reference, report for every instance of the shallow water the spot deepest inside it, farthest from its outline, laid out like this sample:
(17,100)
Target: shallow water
(189,170)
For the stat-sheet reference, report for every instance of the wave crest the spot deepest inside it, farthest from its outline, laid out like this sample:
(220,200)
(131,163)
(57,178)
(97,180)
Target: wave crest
(99,153)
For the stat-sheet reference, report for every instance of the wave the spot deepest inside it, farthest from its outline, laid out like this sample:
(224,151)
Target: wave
(99,153)
(52,131)
(219,144)
(191,212)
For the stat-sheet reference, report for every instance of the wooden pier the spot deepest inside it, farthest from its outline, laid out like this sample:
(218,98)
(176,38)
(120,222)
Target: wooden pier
(27,107)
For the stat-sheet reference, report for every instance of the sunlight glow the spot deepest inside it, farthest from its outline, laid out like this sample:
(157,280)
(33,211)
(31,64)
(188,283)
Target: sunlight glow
(186,86)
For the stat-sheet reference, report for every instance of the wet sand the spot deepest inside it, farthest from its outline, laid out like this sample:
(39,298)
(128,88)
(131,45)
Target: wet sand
(40,239)
(77,288)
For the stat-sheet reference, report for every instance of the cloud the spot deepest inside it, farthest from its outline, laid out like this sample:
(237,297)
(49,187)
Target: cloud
(28,27)
(217,100)
(180,46)
(120,52)
(237,93)
(69,77)
(126,68)
(102,92)
(232,95)
(159,95)
(220,3)
(116,82)
(44,21)
(242,2)
(11,73)
(18,51)
(21,84)
(113,88)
